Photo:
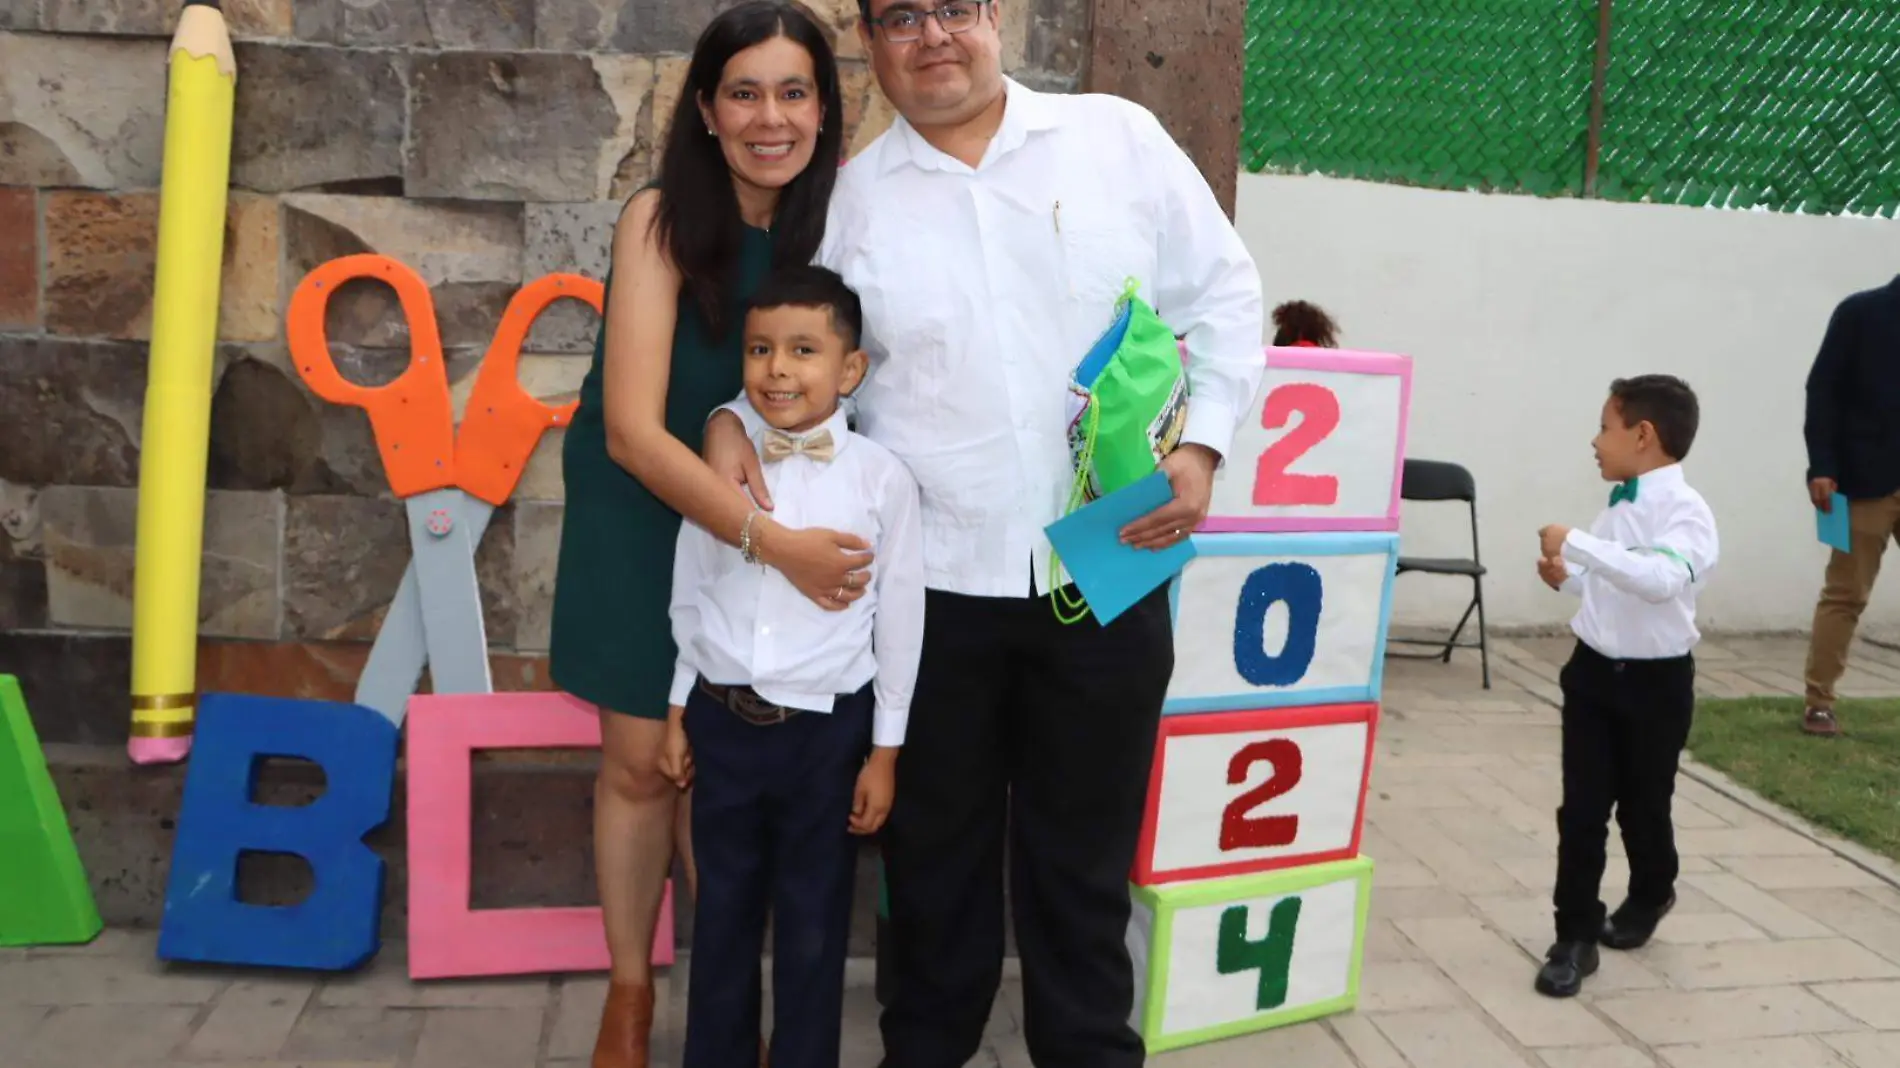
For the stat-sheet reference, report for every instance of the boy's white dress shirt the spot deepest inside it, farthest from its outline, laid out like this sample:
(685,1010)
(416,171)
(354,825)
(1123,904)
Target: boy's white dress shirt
(984,287)
(741,624)
(1639,568)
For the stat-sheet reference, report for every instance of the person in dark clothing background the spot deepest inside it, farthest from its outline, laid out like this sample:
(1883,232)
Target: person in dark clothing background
(1853,434)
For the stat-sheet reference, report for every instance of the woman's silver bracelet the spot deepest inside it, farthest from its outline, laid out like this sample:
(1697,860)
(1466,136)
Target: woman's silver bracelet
(747,549)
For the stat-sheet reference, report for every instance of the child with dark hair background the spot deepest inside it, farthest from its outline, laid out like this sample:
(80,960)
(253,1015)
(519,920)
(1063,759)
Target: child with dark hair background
(1299,323)
(1629,687)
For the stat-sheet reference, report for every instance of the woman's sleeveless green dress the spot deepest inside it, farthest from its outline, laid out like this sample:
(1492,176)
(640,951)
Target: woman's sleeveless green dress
(612,643)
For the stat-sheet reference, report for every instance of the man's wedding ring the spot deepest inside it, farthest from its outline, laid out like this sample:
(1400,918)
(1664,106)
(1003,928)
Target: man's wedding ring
(839,596)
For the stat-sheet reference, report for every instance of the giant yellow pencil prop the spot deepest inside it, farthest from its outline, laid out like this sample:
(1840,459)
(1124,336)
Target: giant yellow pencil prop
(177,433)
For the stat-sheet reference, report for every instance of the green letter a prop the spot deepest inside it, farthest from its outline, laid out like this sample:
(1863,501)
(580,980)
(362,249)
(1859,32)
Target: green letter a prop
(44,898)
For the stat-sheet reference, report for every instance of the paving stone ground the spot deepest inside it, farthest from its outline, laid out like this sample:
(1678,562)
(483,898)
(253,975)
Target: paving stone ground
(1783,952)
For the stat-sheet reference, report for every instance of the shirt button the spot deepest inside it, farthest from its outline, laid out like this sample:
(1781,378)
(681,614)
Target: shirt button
(765,630)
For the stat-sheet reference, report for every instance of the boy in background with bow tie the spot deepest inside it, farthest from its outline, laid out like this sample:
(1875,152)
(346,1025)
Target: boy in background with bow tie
(787,717)
(1629,688)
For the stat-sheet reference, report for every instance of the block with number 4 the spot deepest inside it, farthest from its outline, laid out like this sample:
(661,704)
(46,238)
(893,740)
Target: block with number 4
(1231,793)
(1225,957)
(1324,448)
(1273,620)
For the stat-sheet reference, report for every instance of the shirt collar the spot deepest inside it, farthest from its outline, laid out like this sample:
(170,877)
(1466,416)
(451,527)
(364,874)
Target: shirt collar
(1653,481)
(838,424)
(1667,475)
(1025,111)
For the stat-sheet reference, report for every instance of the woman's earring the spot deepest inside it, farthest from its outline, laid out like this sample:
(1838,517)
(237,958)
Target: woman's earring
(710,132)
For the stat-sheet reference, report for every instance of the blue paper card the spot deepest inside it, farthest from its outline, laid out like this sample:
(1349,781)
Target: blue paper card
(1113,576)
(1831,526)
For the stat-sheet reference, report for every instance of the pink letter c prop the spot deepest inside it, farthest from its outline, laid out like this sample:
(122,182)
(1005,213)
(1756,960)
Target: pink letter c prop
(447,938)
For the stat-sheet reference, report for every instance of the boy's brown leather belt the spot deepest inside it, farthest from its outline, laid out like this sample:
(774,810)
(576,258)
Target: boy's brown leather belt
(747,704)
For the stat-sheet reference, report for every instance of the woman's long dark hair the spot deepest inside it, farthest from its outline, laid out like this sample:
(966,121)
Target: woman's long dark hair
(698,219)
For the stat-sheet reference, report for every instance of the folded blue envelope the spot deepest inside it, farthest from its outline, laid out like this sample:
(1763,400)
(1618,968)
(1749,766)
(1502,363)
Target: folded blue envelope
(1113,576)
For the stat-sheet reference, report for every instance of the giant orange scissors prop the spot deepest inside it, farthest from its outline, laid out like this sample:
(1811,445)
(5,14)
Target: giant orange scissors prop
(450,481)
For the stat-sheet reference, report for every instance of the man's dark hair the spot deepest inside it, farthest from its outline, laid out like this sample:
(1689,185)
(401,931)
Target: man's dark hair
(698,220)
(812,286)
(1666,403)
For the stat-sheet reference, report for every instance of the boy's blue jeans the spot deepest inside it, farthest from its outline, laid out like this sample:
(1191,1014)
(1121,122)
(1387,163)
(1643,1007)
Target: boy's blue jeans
(1624,726)
(771,804)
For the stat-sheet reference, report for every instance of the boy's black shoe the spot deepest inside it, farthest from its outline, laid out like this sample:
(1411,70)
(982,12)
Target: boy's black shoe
(1566,965)
(1632,924)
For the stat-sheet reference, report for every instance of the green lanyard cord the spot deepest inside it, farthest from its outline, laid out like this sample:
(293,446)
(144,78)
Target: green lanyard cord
(1067,609)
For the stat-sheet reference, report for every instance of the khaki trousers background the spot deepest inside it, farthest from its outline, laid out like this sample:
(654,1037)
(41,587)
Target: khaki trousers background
(1844,592)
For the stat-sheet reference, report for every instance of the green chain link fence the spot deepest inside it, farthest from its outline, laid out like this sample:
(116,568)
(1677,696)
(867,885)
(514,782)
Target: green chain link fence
(1789,105)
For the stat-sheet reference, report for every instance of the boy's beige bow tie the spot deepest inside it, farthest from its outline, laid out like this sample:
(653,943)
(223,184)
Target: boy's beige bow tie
(779,445)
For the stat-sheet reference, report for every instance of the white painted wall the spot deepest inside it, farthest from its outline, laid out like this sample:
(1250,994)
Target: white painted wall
(1519,311)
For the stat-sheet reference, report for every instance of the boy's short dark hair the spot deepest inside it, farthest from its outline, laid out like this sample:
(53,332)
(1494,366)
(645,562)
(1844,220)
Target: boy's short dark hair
(1666,403)
(812,286)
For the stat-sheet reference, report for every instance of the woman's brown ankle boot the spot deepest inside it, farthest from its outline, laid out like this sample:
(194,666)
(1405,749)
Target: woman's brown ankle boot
(626,1026)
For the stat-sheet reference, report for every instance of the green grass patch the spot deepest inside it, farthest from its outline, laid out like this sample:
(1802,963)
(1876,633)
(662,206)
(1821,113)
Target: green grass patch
(1849,784)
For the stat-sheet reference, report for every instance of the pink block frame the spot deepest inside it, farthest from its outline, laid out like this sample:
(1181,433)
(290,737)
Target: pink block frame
(447,938)
(1266,719)
(1353,362)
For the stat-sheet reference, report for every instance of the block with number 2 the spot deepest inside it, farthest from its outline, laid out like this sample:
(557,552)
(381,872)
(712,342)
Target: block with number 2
(1232,793)
(1322,448)
(1224,957)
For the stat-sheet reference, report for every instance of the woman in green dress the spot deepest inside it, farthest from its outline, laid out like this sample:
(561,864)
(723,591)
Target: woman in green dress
(744,182)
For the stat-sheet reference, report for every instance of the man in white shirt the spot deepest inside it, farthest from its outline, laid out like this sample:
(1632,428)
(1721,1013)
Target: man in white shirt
(781,699)
(990,231)
(1629,688)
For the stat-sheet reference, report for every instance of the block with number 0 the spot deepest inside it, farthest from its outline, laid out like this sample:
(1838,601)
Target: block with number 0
(1224,957)
(1233,793)
(1323,447)
(1273,620)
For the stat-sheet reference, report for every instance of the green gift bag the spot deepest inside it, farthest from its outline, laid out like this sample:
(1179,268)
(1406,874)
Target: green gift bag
(1127,406)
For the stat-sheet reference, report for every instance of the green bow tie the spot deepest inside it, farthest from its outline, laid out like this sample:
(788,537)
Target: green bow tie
(1623,491)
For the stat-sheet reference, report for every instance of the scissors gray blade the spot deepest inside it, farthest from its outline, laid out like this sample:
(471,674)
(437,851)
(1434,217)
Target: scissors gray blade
(407,640)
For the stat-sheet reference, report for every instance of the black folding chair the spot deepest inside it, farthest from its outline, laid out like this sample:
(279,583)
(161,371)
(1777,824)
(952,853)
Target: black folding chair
(1436,480)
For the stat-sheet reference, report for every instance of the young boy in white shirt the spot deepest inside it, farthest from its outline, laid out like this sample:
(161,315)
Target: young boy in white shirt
(1629,688)
(777,701)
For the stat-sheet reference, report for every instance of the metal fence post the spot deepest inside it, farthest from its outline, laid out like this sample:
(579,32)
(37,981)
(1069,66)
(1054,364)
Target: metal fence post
(1594,152)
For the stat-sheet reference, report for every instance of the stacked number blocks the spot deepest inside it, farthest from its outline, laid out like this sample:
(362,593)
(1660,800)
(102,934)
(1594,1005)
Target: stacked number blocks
(1250,895)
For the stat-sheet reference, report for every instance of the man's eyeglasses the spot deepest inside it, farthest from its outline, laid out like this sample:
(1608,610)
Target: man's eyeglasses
(906,24)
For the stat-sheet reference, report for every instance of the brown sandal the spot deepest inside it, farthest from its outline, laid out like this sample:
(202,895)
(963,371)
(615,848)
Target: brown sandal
(626,1027)
(1820,721)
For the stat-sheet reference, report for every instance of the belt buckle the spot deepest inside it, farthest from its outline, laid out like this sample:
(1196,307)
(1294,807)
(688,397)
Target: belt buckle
(753,708)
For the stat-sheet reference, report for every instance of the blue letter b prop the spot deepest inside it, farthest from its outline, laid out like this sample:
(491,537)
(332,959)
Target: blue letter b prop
(337,926)
(1299,586)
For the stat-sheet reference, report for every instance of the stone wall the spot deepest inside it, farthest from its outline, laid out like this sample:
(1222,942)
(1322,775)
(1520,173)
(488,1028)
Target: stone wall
(426,130)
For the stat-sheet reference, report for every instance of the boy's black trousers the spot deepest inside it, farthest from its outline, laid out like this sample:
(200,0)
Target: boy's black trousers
(771,813)
(1040,734)
(1624,725)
